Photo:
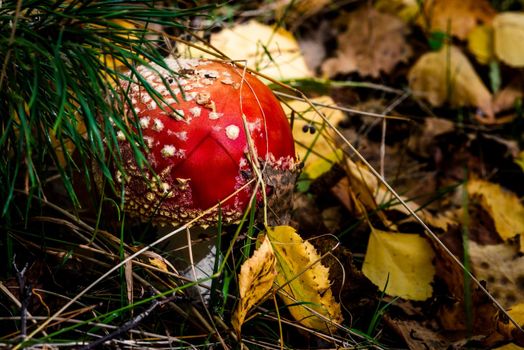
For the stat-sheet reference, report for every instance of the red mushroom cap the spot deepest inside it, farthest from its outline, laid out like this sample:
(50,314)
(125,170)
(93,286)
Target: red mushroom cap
(198,148)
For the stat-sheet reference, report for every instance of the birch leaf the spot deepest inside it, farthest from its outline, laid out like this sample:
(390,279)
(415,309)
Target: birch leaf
(265,49)
(400,263)
(303,281)
(504,207)
(448,76)
(508,30)
(256,278)
(318,150)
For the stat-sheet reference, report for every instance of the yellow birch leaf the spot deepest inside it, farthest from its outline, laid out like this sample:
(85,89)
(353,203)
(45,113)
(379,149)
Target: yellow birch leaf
(480,43)
(504,207)
(448,76)
(318,151)
(303,281)
(403,261)
(508,30)
(265,49)
(256,278)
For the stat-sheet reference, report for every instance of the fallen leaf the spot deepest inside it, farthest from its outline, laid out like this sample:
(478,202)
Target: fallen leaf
(502,267)
(453,307)
(400,264)
(448,76)
(508,97)
(457,17)
(508,28)
(256,278)
(295,12)
(265,49)
(520,160)
(317,150)
(504,207)
(374,42)
(510,331)
(480,43)
(362,186)
(302,281)
(407,10)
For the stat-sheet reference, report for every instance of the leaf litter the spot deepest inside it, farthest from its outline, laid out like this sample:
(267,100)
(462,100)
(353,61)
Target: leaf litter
(457,147)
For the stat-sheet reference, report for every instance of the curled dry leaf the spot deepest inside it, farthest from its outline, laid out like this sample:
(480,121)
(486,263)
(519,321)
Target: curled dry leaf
(504,207)
(256,278)
(508,31)
(361,191)
(400,264)
(302,281)
(374,42)
(448,76)
(317,150)
(457,17)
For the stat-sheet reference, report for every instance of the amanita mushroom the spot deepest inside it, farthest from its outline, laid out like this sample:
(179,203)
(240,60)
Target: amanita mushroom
(198,149)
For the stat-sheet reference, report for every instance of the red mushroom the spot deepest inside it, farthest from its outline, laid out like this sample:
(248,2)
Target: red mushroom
(198,149)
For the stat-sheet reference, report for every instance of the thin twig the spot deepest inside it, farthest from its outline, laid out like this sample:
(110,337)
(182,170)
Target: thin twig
(126,326)
(25,295)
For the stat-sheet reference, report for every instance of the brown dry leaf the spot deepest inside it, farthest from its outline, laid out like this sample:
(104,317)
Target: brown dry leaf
(295,12)
(400,264)
(508,97)
(374,42)
(504,207)
(318,151)
(452,308)
(448,76)
(361,192)
(303,281)
(508,31)
(509,331)
(256,278)
(457,17)
(362,186)
(502,266)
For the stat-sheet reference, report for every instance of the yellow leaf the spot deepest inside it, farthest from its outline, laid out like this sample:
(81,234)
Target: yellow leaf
(318,151)
(508,30)
(303,281)
(504,207)
(520,160)
(270,51)
(403,261)
(256,278)
(480,43)
(448,76)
